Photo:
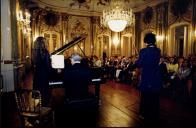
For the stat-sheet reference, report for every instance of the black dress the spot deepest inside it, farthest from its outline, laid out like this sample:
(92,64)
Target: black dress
(42,69)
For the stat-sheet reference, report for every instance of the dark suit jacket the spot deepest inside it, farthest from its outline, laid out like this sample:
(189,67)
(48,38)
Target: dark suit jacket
(76,81)
(148,62)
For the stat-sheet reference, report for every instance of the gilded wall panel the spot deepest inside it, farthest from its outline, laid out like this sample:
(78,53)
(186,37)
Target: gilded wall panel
(77,26)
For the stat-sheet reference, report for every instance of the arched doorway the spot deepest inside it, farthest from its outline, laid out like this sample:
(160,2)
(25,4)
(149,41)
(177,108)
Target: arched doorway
(179,39)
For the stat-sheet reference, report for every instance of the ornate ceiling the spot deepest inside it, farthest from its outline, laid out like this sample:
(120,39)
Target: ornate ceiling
(89,7)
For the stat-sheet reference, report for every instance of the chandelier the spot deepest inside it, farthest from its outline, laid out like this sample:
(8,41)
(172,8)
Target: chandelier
(24,21)
(117,16)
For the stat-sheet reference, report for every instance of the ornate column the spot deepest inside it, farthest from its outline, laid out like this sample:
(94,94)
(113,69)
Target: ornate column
(161,26)
(94,22)
(165,27)
(137,30)
(65,18)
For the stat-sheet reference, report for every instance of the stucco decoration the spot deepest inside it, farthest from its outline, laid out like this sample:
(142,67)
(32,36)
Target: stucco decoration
(51,18)
(106,2)
(81,3)
(103,2)
(179,7)
(78,29)
(102,31)
(128,30)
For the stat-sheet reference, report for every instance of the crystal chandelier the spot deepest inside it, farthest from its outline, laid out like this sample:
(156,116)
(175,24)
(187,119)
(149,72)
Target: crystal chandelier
(24,22)
(117,16)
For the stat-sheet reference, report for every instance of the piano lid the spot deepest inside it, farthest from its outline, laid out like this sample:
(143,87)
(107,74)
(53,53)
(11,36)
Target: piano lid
(69,45)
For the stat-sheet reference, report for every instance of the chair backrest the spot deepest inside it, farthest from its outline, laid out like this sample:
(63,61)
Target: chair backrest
(28,100)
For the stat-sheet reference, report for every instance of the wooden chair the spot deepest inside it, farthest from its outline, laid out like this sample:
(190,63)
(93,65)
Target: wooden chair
(31,111)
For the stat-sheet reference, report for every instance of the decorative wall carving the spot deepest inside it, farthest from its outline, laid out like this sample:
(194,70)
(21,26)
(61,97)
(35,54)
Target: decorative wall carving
(102,31)
(128,30)
(103,2)
(78,29)
(162,25)
(148,15)
(36,15)
(65,17)
(81,3)
(179,10)
(179,7)
(78,26)
(47,20)
(95,20)
(47,36)
(51,18)
(147,20)
(48,23)
(54,40)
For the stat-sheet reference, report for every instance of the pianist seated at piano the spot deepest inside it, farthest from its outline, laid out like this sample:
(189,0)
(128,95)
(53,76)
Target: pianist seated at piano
(76,79)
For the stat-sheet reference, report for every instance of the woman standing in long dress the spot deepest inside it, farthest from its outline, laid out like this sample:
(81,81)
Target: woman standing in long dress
(42,68)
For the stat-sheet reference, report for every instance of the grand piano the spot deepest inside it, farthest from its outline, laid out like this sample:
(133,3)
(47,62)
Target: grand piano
(56,77)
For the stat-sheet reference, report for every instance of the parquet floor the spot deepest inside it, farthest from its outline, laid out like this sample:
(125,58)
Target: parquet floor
(118,108)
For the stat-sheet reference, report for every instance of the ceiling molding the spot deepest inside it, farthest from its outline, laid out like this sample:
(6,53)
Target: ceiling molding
(151,4)
(95,10)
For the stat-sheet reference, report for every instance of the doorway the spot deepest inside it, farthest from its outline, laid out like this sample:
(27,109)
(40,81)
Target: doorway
(181,47)
(178,39)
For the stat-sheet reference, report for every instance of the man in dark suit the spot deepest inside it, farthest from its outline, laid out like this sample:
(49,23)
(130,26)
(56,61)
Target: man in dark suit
(151,81)
(76,79)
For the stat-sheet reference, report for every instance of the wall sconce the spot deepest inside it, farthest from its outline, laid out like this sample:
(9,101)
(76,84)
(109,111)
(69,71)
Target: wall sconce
(82,47)
(116,41)
(92,47)
(75,48)
(24,22)
(159,38)
(105,47)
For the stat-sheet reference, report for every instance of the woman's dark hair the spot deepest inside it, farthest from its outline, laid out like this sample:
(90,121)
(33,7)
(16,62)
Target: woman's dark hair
(39,50)
(40,43)
(150,38)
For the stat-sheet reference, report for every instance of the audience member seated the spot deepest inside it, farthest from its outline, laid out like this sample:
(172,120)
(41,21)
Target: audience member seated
(193,83)
(164,73)
(180,82)
(172,68)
